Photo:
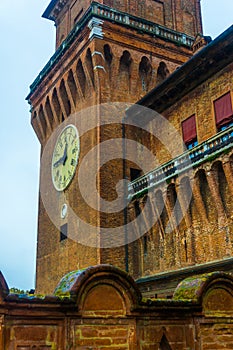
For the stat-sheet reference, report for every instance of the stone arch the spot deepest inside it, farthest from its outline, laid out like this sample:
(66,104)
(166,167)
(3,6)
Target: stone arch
(125,71)
(83,285)
(187,193)
(81,76)
(108,55)
(190,213)
(202,182)
(162,72)
(219,173)
(65,98)
(89,65)
(105,293)
(56,105)
(49,112)
(188,197)
(217,296)
(214,291)
(72,86)
(170,229)
(145,73)
(161,210)
(174,205)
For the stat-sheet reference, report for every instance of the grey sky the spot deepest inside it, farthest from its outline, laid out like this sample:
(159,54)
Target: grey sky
(27,42)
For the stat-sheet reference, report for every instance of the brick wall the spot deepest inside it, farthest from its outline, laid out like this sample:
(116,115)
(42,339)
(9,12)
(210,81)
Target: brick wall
(184,17)
(101,308)
(205,232)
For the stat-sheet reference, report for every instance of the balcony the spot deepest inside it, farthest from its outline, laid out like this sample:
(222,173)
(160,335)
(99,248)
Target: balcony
(206,151)
(141,24)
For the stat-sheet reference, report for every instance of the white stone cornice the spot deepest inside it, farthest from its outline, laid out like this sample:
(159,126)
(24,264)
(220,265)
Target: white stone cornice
(95,26)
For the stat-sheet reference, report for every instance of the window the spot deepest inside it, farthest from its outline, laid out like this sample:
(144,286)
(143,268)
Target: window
(63,232)
(189,131)
(223,112)
(134,174)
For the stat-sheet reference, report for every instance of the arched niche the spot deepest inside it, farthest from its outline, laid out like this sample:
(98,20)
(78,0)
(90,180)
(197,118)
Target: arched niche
(214,291)
(104,299)
(100,290)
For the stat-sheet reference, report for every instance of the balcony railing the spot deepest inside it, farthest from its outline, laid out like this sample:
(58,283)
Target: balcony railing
(204,152)
(104,12)
(142,24)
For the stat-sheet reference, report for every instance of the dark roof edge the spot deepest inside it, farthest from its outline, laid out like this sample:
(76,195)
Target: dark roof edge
(222,265)
(49,8)
(183,72)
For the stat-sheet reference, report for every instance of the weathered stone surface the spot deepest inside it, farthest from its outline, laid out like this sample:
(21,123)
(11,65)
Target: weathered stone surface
(106,311)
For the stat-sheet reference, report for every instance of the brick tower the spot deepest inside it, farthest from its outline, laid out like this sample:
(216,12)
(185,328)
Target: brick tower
(103,48)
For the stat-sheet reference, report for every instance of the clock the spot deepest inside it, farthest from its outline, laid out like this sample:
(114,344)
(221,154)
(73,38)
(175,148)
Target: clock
(65,157)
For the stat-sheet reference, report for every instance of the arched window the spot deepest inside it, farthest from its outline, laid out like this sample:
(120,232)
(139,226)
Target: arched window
(89,65)
(125,71)
(49,112)
(65,98)
(72,85)
(207,199)
(223,186)
(108,54)
(174,205)
(145,73)
(56,105)
(81,76)
(162,72)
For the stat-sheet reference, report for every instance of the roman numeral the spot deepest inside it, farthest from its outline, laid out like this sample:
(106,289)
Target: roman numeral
(73,162)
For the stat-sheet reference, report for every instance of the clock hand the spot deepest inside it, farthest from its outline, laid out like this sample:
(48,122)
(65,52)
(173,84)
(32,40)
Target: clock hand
(64,158)
(58,162)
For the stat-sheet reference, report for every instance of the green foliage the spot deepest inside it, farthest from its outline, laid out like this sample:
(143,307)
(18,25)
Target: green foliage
(14,290)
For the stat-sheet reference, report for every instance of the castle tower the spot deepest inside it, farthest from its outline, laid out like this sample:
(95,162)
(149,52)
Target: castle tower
(106,51)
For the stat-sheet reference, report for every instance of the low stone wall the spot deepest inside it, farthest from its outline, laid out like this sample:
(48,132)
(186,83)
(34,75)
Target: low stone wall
(102,308)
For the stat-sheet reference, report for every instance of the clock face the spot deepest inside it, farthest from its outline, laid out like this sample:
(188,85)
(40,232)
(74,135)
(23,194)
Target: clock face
(65,157)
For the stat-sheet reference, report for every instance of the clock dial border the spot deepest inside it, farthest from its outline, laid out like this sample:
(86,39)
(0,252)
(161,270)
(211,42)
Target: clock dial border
(61,155)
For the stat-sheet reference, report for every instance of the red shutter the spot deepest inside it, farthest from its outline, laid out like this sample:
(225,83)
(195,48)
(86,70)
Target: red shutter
(223,109)
(189,129)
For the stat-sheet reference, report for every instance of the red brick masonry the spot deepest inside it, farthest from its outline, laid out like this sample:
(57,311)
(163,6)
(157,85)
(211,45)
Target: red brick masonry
(102,308)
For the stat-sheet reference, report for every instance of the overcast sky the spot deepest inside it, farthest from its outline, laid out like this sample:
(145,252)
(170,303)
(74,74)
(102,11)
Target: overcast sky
(27,43)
